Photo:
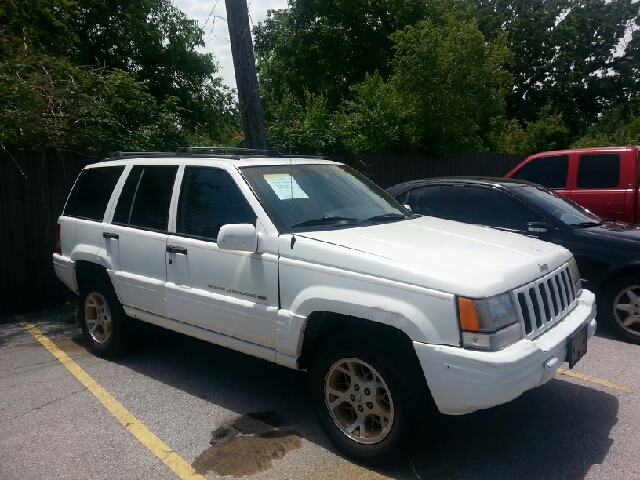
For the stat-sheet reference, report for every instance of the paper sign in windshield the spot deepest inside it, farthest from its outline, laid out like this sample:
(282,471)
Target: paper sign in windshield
(284,186)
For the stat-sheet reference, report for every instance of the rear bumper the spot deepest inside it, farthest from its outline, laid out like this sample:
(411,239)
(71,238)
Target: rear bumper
(65,269)
(462,381)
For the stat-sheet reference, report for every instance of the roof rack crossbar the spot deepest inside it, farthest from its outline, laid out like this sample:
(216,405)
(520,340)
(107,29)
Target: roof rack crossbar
(120,154)
(230,150)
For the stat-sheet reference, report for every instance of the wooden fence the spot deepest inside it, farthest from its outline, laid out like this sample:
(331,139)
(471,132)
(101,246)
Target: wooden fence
(34,187)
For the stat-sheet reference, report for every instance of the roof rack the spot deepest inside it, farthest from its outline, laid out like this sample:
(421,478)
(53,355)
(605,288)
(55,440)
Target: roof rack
(234,152)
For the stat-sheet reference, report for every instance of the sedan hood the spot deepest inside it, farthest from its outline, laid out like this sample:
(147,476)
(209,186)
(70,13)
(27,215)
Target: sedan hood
(440,254)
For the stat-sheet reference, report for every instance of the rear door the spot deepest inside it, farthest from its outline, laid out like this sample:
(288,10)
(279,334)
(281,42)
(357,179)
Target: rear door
(600,188)
(136,239)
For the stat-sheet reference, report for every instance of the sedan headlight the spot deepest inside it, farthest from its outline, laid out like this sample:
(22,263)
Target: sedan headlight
(489,323)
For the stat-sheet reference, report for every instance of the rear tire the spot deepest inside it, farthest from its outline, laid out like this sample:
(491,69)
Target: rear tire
(105,326)
(622,307)
(366,404)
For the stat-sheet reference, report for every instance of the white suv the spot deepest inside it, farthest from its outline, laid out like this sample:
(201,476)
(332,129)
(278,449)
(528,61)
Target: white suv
(304,262)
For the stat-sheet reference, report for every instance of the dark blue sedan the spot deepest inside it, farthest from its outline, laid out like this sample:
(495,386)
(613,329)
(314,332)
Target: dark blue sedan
(607,252)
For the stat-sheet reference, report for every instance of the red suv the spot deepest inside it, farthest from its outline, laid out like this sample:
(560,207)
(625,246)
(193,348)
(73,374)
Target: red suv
(602,179)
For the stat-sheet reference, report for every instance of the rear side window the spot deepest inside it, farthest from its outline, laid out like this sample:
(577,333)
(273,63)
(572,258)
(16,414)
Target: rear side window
(550,172)
(434,200)
(600,170)
(209,199)
(91,193)
(145,198)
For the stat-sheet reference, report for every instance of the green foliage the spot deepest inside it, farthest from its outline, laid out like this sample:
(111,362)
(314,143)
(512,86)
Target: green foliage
(325,46)
(48,102)
(377,120)
(614,128)
(306,129)
(547,133)
(94,76)
(565,54)
(451,81)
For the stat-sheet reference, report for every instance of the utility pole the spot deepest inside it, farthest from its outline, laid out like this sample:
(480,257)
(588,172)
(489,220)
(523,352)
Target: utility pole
(255,135)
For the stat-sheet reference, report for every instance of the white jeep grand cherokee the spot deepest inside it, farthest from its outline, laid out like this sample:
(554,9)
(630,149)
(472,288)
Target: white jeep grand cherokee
(305,263)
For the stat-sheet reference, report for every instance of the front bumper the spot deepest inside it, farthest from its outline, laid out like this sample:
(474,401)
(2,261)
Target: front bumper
(462,381)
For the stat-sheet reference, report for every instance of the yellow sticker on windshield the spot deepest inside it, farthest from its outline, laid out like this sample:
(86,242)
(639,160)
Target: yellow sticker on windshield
(284,186)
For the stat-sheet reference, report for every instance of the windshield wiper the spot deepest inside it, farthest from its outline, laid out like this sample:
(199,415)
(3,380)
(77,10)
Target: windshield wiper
(323,221)
(386,216)
(586,224)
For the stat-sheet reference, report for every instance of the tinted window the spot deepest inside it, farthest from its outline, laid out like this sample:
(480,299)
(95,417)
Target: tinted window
(599,171)
(548,171)
(209,198)
(92,192)
(435,200)
(144,201)
(488,206)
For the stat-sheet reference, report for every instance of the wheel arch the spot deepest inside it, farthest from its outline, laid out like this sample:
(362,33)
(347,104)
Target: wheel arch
(322,325)
(614,275)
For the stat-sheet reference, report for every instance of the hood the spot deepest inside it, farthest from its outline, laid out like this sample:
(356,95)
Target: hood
(444,255)
(617,235)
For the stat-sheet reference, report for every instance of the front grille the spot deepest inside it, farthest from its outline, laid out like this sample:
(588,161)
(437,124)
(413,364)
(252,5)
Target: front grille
(546,301)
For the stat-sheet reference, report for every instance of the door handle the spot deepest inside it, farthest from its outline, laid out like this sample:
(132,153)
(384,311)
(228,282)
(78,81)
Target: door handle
(115,236)
(176,249)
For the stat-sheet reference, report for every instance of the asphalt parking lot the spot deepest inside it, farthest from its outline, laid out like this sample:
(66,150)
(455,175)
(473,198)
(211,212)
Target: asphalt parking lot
(177,407)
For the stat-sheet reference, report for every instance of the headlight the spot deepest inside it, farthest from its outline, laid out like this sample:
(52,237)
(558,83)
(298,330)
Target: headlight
(489,323)
(575,275)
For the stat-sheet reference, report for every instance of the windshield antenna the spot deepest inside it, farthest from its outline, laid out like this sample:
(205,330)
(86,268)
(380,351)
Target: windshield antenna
(293,237)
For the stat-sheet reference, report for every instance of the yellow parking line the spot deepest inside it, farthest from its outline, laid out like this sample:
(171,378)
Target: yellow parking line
(597,381)
(171,459)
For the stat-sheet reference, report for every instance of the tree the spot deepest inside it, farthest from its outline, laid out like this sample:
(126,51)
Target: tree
(564,54)
(324,47)
(150,40)
(452,82)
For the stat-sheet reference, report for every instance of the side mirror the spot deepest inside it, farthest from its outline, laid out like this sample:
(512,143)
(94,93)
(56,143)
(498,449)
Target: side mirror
(238,237)
(408,207)
(538,227)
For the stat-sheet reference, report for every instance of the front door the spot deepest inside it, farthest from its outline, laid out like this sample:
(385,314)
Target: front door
(229,292)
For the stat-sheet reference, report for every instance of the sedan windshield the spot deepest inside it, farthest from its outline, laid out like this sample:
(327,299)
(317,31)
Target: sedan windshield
(309,196)
(568,212)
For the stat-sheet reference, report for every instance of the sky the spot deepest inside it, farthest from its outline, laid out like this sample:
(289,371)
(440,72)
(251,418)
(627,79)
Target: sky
(212,16)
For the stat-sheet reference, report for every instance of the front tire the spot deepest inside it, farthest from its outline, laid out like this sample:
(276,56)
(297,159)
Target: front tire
(364,403)
(105,326)
(622,307)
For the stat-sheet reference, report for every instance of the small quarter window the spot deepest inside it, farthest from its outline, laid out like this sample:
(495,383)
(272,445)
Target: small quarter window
(600,170)
(209,199)
(92,192)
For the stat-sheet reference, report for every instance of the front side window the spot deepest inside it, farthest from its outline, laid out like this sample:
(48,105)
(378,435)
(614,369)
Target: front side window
(600,170)
(301,196)
(550,172)
(145,198)
(209,199)
(563,209)
(92,192)
(489,206)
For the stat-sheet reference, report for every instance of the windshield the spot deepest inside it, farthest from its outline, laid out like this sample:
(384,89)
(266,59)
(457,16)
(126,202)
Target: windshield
(320,195)
(568,212)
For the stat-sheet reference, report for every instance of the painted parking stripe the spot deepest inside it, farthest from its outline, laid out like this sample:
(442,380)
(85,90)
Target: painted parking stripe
(170,458)
(597,381)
